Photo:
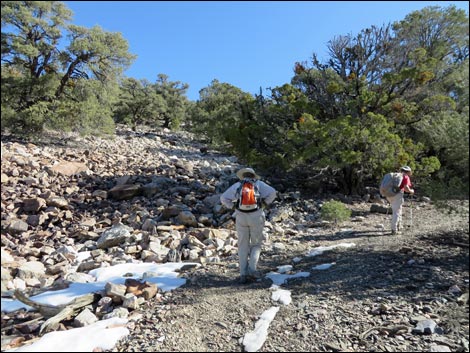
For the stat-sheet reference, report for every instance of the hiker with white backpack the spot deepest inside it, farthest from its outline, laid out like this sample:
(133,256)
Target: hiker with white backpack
(393,187)
(247,198)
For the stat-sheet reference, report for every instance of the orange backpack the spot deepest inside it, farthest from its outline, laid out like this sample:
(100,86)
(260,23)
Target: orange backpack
(248,196)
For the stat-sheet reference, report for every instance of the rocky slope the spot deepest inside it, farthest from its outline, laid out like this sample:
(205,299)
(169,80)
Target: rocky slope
(153,197)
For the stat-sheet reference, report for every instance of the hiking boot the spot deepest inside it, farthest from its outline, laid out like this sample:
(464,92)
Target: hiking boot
(256,275)
(243,280)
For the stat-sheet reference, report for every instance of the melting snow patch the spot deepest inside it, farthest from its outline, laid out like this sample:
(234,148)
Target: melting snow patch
(166,278)
(323,266)
(281,295)
(101,335)
(321,249)
(279,278)
(284,269)
(253,340)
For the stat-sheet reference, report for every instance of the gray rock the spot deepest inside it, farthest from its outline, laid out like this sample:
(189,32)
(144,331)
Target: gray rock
(425,327)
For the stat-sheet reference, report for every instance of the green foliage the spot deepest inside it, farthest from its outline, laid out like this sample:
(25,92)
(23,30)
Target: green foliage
(388,96)
(31,119)
(48,86)
(427,166)
(90,117)
(8,117)
(172,110)
(441,32)
(138,103)
(344,143)
(438,189)
(91,113)
(446,132)
(335,211)
(375,115)
(218,114)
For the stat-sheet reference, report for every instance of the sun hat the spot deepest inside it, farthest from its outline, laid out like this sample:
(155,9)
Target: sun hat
(405,168)
(246,170)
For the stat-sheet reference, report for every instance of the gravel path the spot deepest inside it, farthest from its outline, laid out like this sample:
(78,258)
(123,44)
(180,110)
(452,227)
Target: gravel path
(371,299)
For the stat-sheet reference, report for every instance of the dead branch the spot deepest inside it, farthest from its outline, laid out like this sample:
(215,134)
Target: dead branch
(56,313)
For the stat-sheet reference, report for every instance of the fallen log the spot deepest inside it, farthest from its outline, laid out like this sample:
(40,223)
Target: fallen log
(52,324)
(56,313)
(46,310)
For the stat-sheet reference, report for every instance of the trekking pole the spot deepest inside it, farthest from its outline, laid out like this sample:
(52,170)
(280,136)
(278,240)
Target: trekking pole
(411,212)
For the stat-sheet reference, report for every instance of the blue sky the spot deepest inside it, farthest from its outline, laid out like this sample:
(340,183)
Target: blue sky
(249,44)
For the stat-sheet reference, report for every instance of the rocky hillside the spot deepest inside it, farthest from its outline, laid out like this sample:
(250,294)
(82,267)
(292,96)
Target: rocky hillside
(154,197)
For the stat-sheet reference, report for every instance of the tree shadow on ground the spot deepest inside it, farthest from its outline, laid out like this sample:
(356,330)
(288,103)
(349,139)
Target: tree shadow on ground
(363,272)
(342,235)
(228,282)
(420,265)
(359,272)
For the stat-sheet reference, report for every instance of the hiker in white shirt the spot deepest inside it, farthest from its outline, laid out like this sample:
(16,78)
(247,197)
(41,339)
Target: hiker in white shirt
(249,220)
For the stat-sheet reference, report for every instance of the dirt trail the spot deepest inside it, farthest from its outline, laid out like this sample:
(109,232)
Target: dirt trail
(370,299)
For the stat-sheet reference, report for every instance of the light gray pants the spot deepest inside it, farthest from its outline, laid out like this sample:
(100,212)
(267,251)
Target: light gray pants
(396,202)
(249,227)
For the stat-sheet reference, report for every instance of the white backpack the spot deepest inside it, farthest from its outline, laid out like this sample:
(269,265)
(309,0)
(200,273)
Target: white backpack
(390,185)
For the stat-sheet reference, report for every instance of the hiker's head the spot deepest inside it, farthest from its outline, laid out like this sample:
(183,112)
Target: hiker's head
(247,173)
(406,169)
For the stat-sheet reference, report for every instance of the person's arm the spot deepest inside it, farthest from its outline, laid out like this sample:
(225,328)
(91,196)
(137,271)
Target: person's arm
(408,189)
(267,193)
(229,196)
